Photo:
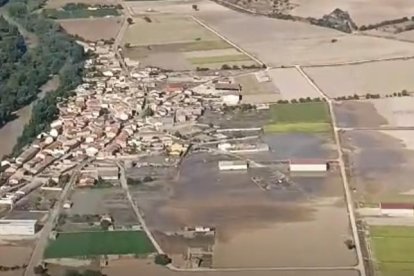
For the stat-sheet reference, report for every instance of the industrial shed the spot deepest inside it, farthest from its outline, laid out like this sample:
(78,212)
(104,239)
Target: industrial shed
(17,227)
(308,166)
(397,209)
(232,165)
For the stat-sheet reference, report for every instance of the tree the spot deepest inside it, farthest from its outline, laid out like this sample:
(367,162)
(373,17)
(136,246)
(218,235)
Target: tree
(195,7)
(162,259)
(130,21)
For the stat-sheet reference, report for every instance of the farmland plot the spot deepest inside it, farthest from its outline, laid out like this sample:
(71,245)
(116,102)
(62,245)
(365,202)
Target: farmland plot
(386,77)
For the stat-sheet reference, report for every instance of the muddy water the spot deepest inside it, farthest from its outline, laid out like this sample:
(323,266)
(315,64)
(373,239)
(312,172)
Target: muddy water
(13,129)
(302,243)
(358,114)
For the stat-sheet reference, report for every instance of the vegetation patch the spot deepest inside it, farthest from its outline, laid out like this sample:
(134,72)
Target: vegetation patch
(301,117)
(80,10)
(85,244)
(218,59)
(394,249)
(298,127)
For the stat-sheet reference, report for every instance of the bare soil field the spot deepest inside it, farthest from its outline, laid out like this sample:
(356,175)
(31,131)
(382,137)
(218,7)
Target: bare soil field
(11,255)
(290,43)
(188,44)
(245,215)
(292,85)
(112,201)
(128,267)
(254,92)
(389,76)
(93,29)
(381,163)
(363,12)
(53,4)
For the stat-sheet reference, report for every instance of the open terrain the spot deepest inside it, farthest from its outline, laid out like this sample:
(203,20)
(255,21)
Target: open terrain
(389,76)
(374,113)
(93,29)
(291,84)
(380,164)
(363,12)
(248,217)
(89,244)
(127,267)
(300,117)
(257,88)
(291,43)
(393,249)
(178,42)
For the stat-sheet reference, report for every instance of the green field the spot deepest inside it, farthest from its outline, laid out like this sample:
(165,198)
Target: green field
(297,127)
(80,12)
(393,249)
(301,117)
(86,244)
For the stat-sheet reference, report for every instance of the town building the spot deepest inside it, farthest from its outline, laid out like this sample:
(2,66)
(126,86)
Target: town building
(235,165)
(17,227)
(397,209)
(308,166)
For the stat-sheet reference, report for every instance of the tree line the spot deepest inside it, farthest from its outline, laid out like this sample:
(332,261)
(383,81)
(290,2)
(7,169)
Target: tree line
(56,53)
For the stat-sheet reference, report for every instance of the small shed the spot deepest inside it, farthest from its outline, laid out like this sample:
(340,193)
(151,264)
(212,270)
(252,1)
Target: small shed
(397,209)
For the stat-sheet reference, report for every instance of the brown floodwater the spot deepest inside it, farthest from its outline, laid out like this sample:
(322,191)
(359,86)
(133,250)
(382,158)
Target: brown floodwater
(11,131)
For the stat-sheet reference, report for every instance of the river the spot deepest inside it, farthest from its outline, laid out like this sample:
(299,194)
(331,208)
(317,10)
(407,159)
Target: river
(13,129)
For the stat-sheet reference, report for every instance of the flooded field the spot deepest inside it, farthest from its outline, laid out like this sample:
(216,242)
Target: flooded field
(13,129)
(381,165)
(247,216)
(127,267)
(357,114)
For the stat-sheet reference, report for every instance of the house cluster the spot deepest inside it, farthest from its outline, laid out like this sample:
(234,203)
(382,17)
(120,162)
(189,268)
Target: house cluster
(113,114)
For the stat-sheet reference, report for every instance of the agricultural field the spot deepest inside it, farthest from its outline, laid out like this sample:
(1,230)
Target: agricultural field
(246,217)
(255,90)
(98,202)
(87,244)
(374,113)
(179,42)
(80,11)
(393,248)
(301,117)
(292,85)
(93,29)
(347,80)
(290,43)
(123,267)
(362,12)
(380,164)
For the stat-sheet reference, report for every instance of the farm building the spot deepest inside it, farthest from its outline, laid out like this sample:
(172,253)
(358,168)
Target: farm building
(232,165)
(228,87)
(17,227)
(231,99)
(308,166)
(397,209)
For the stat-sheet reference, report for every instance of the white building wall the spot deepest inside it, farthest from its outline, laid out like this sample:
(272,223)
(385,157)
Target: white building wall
(26,228)
(397,212)
(308,167)
(228,166)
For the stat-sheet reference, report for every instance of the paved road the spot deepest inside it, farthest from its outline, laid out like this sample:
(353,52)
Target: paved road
(37,254)
(348,196)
